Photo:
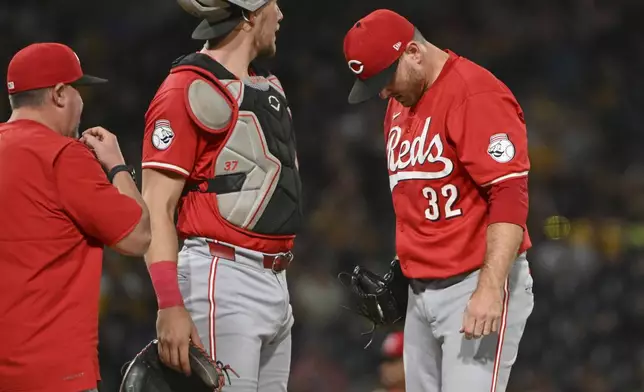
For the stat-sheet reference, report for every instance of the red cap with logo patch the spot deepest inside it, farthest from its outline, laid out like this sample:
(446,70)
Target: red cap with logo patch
(45,65)
(372,48)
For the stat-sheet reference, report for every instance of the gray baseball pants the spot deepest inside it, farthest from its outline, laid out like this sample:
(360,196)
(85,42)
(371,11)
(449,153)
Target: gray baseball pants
(437,356)
(242,312)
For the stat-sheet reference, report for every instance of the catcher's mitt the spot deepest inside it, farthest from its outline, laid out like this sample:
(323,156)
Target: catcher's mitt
(382,300)
(146,373)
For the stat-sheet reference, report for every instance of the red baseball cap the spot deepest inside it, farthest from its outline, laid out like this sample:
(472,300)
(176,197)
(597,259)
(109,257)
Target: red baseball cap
(392,346)
(372,48)
(44,65)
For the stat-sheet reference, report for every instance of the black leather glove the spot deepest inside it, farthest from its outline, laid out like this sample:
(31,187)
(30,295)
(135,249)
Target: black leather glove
(382,300)
(146,373)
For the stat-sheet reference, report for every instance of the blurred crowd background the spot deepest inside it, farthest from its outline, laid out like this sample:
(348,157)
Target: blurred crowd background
(576,67)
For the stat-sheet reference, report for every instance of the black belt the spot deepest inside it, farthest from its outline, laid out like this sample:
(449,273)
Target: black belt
(420,285)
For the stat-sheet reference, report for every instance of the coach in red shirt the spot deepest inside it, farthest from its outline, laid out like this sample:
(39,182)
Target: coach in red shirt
(58,211)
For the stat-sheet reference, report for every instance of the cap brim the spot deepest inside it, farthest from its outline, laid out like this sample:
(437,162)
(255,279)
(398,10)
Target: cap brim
(207,30)
(364,90)
(88,80)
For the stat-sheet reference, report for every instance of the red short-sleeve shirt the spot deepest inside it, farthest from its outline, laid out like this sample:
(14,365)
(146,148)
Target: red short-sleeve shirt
(465,134)
(58,211)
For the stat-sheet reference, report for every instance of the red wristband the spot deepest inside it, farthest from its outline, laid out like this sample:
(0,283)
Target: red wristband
(166,285)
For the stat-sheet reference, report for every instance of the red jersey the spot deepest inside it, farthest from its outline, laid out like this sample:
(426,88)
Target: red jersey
(466,133)
(190,150)
(58,211)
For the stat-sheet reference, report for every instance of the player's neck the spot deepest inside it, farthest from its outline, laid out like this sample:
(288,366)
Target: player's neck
(437,59)
(37,115)
(235,55)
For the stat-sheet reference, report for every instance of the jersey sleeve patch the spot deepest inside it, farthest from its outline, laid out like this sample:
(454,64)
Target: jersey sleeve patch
(501,149)
(163,135)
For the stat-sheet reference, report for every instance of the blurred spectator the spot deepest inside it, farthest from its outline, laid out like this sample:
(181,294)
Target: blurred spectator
(392,370)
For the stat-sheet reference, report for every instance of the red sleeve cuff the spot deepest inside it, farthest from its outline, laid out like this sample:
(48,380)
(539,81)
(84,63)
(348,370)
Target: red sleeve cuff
(136,218)
(508,201)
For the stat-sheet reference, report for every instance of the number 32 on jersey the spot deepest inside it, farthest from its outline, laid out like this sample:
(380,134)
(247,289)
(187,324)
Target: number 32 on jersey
(441,202)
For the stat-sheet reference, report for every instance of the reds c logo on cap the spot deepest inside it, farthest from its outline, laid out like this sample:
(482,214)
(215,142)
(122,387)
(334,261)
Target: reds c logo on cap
(356,70)
(378,40)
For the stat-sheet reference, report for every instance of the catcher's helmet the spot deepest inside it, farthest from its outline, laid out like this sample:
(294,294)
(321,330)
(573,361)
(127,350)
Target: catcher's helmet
(220,17)
(209,8)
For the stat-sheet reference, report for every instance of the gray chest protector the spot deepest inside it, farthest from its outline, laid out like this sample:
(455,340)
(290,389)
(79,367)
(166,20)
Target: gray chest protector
(256,179)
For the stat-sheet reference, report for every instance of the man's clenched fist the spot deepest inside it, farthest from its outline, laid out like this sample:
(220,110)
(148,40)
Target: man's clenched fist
(104,145)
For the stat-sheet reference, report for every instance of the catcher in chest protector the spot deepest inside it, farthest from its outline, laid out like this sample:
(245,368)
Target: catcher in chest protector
(219,153)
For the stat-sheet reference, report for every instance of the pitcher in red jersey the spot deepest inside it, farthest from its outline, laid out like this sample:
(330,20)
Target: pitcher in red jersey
(458,167)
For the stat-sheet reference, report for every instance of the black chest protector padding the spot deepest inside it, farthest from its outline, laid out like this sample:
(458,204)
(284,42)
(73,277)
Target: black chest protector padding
(283,213)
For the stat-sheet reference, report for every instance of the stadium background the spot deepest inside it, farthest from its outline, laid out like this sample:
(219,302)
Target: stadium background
(575,66)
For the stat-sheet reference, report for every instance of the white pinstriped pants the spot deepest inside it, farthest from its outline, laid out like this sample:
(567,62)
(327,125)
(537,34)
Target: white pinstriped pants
(438,358)
(242,313)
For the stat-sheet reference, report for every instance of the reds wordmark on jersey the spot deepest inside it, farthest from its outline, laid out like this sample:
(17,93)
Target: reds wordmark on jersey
(465,134)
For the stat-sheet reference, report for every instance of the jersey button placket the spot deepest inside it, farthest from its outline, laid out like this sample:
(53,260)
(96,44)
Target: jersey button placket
(409,124)
(401,190)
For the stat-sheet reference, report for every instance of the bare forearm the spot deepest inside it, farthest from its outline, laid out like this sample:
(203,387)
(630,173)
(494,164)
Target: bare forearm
(161,193)
(165,242)
(503,242)
(161,260)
